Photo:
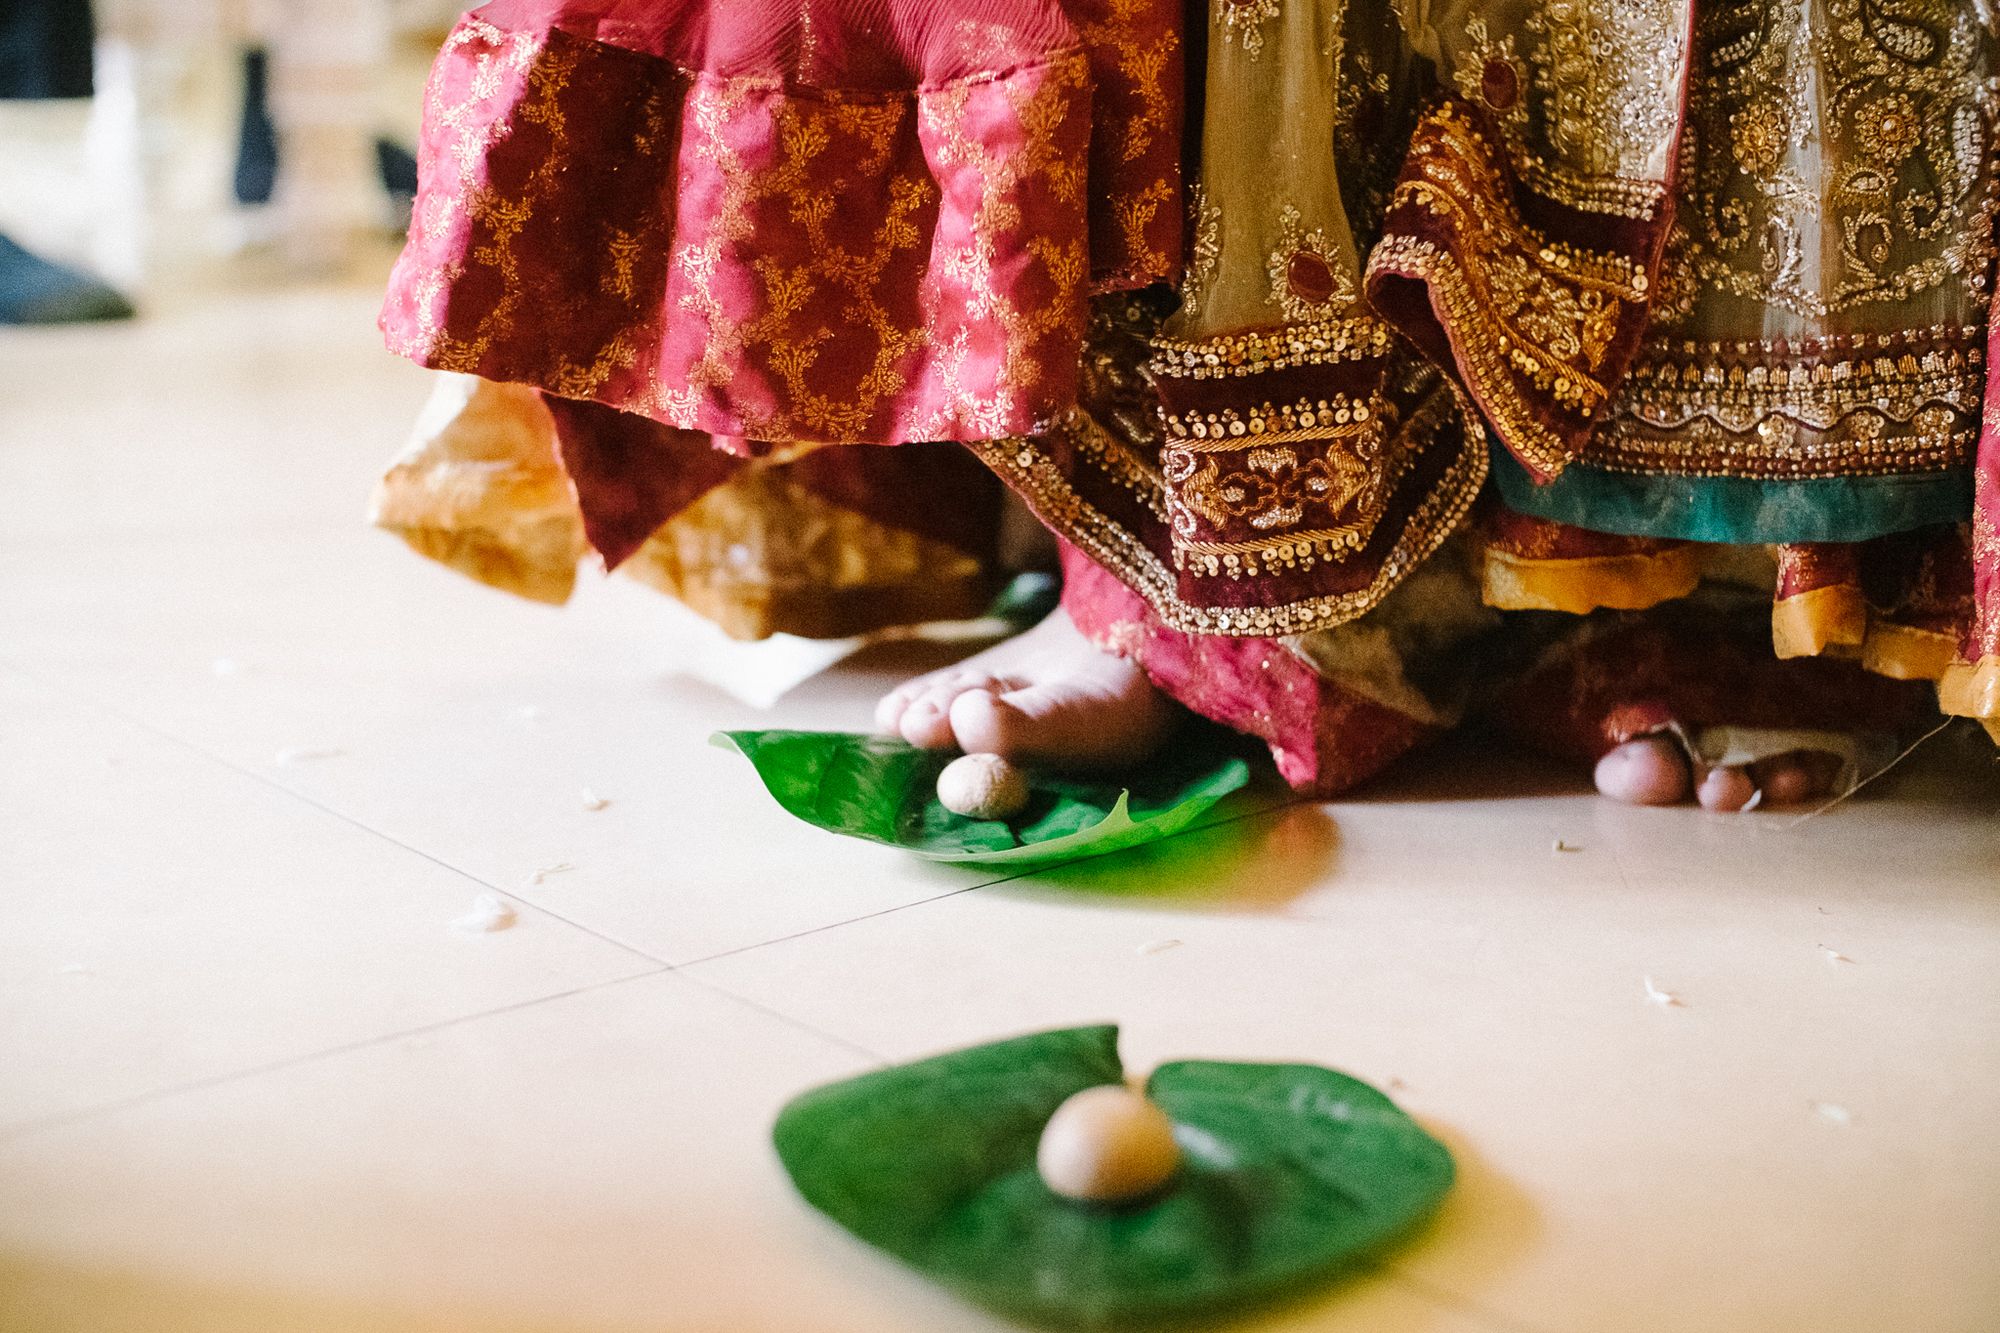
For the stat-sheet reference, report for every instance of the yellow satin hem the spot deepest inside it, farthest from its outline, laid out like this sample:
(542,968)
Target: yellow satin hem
(1580,585)
(1808,624)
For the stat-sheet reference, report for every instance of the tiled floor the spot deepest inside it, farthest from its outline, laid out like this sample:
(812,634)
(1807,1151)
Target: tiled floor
(255,759)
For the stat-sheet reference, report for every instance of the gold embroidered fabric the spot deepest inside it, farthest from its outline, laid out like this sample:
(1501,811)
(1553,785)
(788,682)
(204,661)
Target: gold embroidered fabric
(1821,307)
(1302,460)
(480,489)
(795,221)
(759,556)
(1531,318)
(1273,242)
(1585,92)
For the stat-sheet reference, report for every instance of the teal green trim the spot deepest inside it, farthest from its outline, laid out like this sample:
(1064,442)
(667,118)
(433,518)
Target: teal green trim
(1737,509)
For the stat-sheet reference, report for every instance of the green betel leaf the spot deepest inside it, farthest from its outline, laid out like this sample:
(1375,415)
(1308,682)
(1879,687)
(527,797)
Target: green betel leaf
(886,791)
(1289,1172)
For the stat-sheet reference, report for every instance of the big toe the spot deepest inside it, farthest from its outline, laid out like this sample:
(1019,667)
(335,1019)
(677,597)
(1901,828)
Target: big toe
(1043,725)
(1649,771)
(984,723)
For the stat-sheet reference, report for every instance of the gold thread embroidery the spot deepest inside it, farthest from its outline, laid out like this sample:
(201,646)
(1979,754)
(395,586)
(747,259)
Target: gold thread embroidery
(1520,306)
(1204,254)
(1309,281)
(1243,23)
(1145,67)
(1027,466)
(1602,119)
(1896,172)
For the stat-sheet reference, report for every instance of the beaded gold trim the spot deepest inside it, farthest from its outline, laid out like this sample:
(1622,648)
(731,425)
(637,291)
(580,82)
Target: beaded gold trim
(1487,356)
(1857,405)
(1864,444)
(1311,344)
(1025,463)
(1516,305)
(1230,428)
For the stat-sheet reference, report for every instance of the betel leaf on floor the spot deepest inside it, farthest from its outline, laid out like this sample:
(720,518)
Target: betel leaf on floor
(884,790)
(1289,1173)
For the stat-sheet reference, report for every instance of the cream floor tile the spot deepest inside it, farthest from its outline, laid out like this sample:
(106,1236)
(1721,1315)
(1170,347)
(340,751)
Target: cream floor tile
(193,555)
(1801,1142)
(255,412)
(471,724)
(165,920)
(186,590)
(191,552)
(595,1162)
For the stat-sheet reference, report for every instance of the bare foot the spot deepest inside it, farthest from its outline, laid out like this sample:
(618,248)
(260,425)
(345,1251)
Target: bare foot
(1049,696)
(1654,771)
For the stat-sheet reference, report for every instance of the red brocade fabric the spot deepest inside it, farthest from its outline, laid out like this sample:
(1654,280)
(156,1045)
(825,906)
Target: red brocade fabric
(632,475)
(1324,738)
(836,221)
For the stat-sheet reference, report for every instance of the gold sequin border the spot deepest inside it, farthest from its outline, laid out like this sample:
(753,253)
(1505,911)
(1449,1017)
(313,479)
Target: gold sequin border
(1024,464)
(1325,343)
(1501,278)
(1855,406)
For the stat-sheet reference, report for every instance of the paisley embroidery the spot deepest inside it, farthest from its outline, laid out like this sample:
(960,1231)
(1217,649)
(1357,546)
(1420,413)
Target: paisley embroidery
(1589,110)
(1838,154)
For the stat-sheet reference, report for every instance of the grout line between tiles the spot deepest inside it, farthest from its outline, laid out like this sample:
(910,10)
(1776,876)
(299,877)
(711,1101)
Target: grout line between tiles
(757,1006)
(193,747)
(660,966)
(26,1128)
(267,781)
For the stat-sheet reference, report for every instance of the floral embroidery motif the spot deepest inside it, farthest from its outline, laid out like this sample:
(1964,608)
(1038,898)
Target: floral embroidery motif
(1271,489)
(834,265)
(1334,493)
(1368,112)
(1243,22)
(1608,72)
(1205,222)
(1532,320)
(1135,153)
(1309,281)
(1589,112)
(1897,175)
(1836,165)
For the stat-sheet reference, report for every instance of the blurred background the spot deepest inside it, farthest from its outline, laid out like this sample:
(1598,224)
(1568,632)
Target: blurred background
(146,146)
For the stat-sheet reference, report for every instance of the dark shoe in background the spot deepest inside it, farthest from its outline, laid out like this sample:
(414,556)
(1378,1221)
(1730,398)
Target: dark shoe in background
(45,49)
(257,144)
(257,137)
(35,291)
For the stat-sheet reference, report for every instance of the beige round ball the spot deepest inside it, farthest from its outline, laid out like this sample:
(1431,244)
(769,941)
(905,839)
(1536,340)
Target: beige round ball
(982,786)
(1107,1145)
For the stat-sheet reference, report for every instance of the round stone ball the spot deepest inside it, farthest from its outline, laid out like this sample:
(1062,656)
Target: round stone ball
(1107,1145)
(982,786)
